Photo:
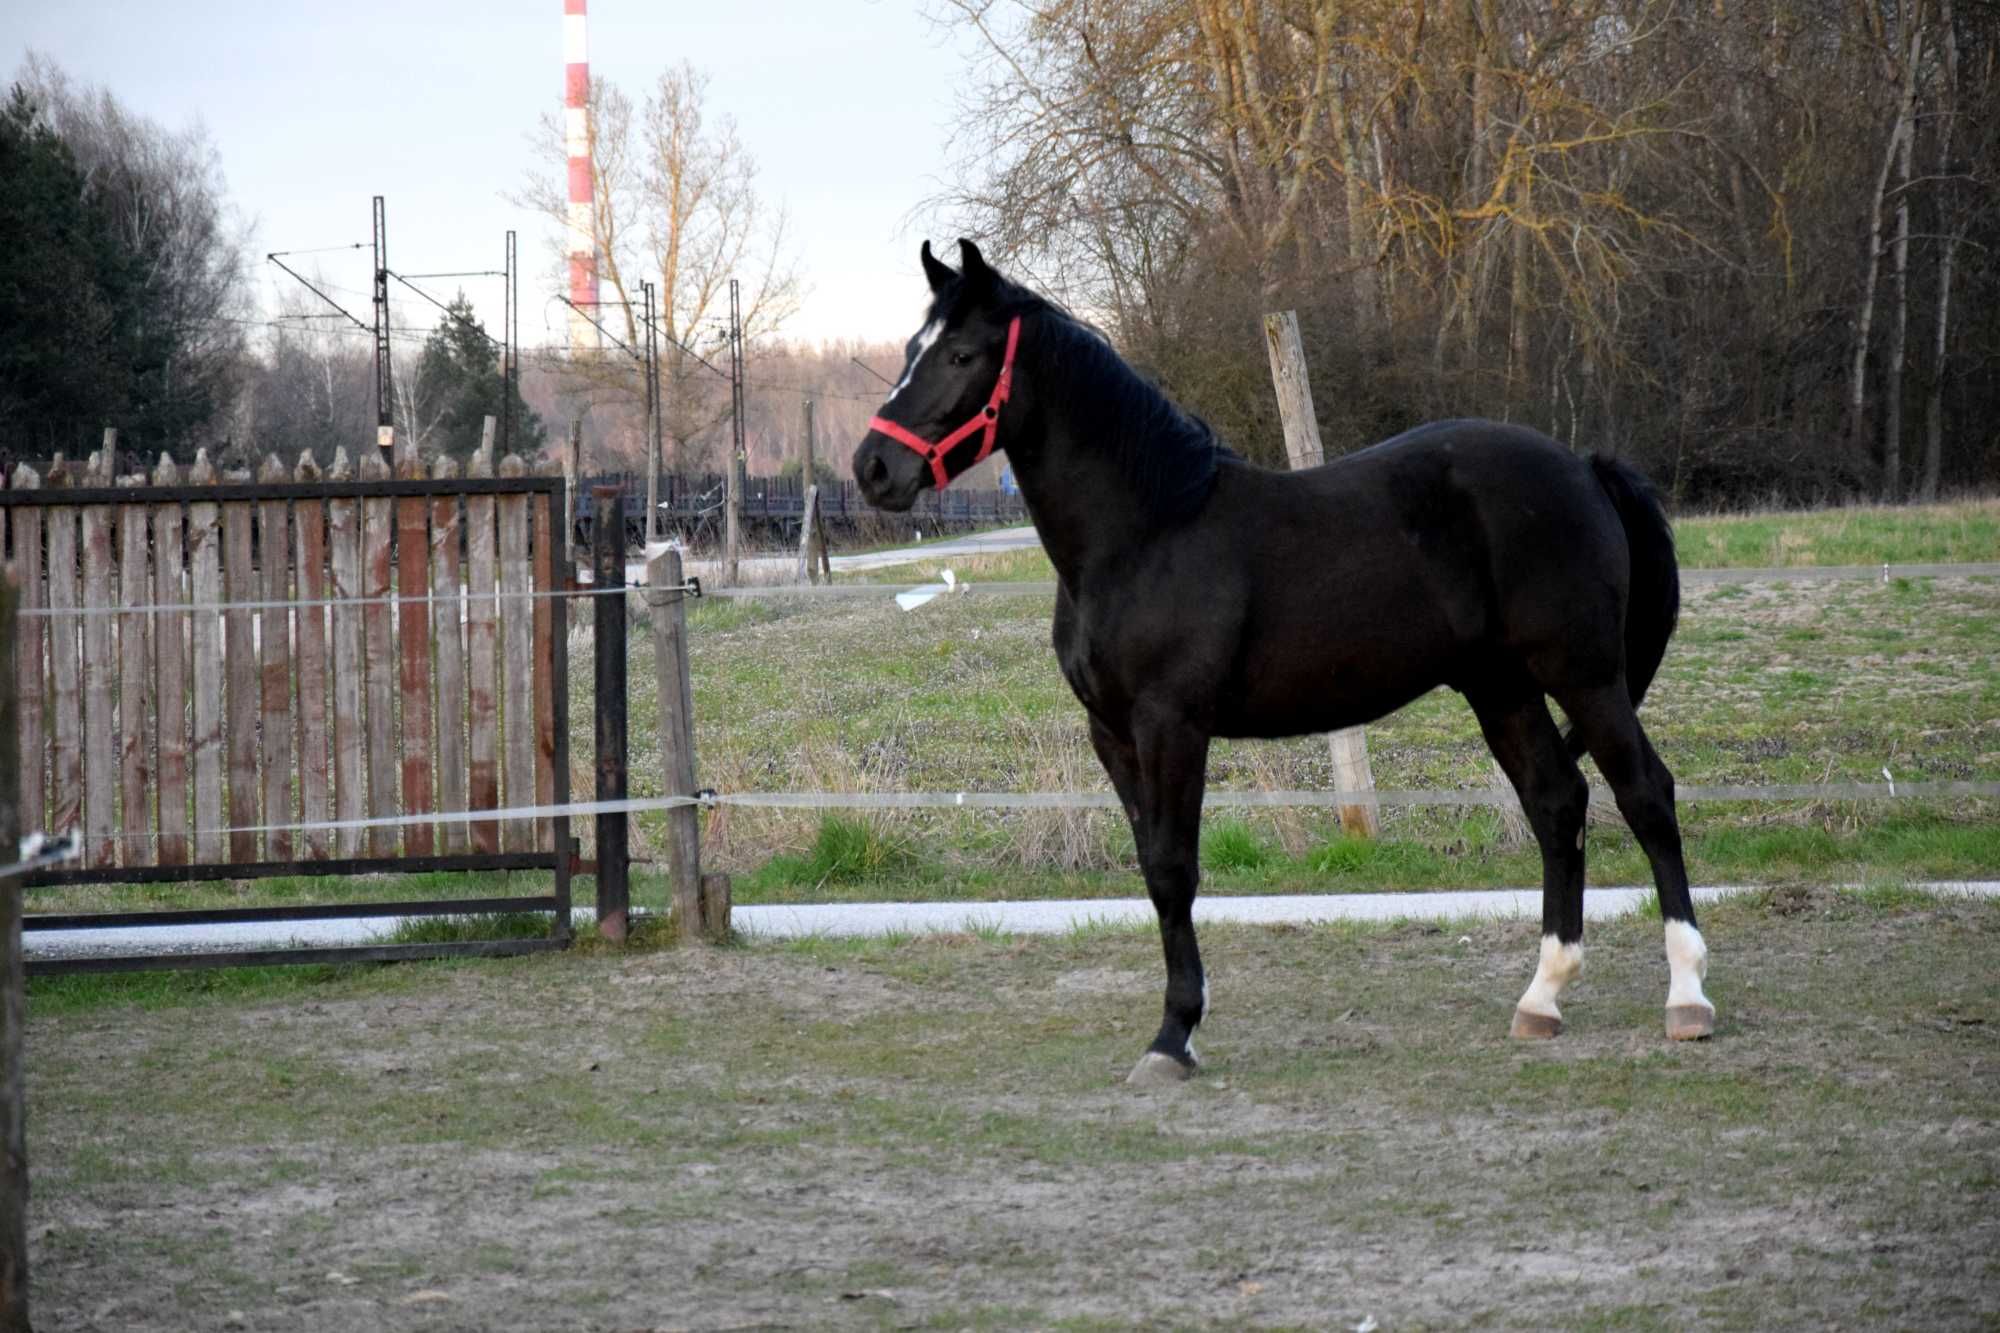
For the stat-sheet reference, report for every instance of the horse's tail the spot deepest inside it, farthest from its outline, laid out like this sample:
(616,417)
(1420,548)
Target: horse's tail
(1654,607)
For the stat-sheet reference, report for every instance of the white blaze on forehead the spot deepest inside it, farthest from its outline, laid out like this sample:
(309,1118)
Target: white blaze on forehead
(930,335)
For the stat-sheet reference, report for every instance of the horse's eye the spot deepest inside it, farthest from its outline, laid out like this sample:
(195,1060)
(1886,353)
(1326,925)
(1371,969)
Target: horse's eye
(961,358)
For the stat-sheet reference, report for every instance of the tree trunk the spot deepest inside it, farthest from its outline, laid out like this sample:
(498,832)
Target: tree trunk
(1864,320)
(1892,404)
(1927,482)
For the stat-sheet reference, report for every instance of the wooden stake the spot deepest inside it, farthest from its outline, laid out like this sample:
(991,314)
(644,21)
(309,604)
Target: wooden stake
(1351,771)
(13,1006)
(676,698)
(614,891)
(572,476)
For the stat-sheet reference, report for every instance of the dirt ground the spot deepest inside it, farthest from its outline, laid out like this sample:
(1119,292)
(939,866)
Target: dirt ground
(932,1133)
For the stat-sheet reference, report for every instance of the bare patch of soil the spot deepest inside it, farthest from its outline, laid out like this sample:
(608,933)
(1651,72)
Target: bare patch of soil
(933,1133)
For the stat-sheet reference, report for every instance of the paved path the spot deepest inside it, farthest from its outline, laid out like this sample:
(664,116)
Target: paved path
(766,567)
(1011,918)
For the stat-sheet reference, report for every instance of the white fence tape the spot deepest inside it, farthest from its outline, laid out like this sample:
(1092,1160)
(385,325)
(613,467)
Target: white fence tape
(1091,800)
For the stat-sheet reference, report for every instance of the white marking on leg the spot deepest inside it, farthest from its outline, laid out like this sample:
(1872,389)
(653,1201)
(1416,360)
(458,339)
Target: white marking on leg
(1559,966)
(1687,964)
(925,340)
(1204,1001)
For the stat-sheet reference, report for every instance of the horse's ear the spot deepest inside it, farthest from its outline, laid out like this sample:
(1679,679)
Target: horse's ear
(936,270)
(979,276)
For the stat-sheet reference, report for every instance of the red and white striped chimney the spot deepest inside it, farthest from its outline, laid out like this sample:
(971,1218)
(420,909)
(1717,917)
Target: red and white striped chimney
(582,197)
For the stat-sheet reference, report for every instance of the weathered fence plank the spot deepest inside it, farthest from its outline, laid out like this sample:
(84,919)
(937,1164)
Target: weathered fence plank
(309,548)
(205,642)
(350,748)
(136,784)
(542,523)
(242,695)
(274,655)
(65,665)
(482,660)
(100,689)
(31,658)
(379,666)
(517,651)
(413,655)
(448,630)
(170,634)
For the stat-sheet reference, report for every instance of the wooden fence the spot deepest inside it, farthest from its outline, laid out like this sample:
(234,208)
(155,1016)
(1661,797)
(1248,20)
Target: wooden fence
(201,660)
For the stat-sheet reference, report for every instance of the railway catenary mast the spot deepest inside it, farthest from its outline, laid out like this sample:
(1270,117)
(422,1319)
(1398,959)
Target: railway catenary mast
(582,183)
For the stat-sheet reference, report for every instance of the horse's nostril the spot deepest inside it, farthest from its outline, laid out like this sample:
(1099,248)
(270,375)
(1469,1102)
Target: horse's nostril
(873,470)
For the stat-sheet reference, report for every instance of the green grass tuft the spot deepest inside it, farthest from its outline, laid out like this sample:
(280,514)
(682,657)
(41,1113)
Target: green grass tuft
(472,926)
(1230,844)
(843,851)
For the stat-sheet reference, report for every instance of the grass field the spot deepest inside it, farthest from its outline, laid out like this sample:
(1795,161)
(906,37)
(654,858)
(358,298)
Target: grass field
(931,1133)
(1770,683)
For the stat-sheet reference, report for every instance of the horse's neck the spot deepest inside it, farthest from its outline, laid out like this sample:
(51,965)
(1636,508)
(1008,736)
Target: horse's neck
(1088,507)
(1080,501)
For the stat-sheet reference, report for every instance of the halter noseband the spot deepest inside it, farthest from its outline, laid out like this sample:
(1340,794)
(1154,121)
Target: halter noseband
(988,420)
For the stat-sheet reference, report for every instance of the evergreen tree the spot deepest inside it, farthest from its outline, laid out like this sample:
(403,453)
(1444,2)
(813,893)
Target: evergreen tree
(65,288)
(458,386)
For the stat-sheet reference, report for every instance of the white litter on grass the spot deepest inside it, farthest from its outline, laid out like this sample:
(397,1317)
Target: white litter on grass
(916,597)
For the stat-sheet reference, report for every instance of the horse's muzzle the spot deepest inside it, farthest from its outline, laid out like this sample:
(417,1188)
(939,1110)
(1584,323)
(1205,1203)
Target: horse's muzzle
(889,475)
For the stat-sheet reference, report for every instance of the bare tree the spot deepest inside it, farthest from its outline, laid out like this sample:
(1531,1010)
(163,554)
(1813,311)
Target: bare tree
(677,204)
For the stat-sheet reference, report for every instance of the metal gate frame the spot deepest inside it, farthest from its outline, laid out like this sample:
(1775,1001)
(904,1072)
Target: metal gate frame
(560,860)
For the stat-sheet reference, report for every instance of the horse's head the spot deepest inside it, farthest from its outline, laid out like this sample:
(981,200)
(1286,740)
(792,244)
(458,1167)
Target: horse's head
(943,416)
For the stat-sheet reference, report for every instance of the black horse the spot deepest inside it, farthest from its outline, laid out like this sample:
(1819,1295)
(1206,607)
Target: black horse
(1202,596)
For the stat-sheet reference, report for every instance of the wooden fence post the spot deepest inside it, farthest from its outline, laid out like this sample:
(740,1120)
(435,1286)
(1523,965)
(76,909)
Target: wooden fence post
(31,680)
(572,477)
(1351,772)
(607,534)
(808,565)
(13,1006)
(698,912)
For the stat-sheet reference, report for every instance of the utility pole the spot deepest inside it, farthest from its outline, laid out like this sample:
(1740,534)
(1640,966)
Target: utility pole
(732,549)
(510,328)
(652,419)
(385,396)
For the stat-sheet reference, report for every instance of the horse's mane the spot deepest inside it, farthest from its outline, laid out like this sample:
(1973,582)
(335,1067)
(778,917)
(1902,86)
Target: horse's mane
(1169,455)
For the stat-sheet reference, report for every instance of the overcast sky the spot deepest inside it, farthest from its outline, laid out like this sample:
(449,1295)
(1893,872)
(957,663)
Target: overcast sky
(315,108)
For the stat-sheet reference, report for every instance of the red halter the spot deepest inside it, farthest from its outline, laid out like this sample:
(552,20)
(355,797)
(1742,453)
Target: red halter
(987,420)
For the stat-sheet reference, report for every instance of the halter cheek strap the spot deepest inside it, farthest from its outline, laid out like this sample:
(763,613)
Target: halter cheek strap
(987,420)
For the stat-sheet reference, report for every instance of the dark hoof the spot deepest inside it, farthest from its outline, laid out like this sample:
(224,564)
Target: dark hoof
(1534,1027)
(1158,1071)
(1690,1022)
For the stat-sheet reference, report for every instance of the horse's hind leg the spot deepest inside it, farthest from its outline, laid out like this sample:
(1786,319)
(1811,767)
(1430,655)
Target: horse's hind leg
(1159,777)
(1645,792)
(1523,737)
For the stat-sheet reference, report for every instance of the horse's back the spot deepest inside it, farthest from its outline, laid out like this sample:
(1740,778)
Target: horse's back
(1469,553)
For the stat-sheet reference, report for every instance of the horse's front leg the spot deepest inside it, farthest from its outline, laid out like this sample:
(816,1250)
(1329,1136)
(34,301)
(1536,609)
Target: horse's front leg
(1167,767)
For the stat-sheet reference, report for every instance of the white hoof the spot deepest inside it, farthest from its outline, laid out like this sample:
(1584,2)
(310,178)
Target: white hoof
(1157,1071)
